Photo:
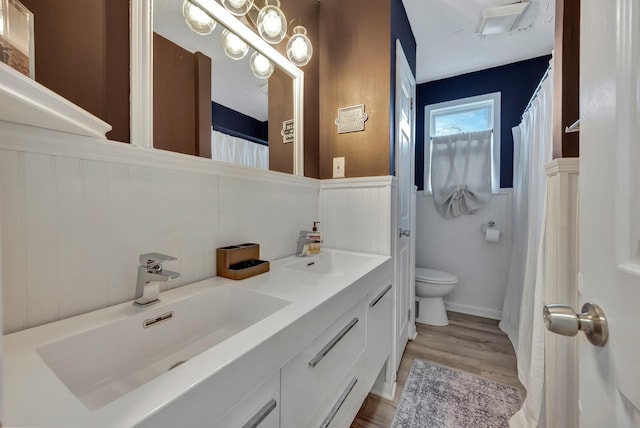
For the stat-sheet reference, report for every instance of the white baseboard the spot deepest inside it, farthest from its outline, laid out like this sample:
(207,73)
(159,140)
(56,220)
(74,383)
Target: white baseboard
(385,384)
(413,333)
(473,310)
(386,390)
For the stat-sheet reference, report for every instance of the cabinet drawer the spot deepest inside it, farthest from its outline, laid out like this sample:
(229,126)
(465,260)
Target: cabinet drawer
(380,325)
(260,409)
(343,406)
(319,369)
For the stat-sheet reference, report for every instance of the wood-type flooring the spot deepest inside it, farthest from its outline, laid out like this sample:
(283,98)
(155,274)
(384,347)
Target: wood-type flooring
(473,344)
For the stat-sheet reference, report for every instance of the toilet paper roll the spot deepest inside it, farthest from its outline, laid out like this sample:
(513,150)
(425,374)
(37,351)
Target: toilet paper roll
(492,234)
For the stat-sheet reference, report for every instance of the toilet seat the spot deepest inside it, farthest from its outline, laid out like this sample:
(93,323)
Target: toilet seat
(435,276)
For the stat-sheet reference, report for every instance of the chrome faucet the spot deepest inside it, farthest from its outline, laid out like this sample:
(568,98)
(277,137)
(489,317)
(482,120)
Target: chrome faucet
(302,241)
(150,273)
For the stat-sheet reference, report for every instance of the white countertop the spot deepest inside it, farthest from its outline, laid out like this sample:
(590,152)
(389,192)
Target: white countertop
(34,396)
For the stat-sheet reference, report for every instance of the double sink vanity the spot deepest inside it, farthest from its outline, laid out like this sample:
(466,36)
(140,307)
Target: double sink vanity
(298,346)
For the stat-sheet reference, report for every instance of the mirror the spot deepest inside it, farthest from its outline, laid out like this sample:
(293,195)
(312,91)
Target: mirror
(242,103)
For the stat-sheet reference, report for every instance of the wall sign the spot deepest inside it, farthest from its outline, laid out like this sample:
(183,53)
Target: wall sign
(351,119)
(287,131)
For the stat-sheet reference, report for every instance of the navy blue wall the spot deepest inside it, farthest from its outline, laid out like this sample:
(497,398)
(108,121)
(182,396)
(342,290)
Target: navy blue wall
(515,81)
(400,29)
(225,117)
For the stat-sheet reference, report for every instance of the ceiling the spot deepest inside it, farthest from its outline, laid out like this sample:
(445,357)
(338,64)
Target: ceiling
(445,32)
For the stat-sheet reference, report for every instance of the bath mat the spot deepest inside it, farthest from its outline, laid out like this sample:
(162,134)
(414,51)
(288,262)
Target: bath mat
(439,397)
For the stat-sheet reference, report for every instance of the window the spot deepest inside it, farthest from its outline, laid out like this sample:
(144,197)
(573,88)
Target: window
(480,113)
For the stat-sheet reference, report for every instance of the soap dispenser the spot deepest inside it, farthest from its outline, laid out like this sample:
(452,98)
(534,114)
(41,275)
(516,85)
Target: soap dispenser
(316,239)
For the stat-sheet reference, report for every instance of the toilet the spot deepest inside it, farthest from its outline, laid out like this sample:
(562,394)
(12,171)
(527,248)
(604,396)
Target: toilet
(431,286)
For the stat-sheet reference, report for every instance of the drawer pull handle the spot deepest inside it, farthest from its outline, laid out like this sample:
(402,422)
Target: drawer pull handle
(261,415)
(380,296)
(336,407)
(329,346)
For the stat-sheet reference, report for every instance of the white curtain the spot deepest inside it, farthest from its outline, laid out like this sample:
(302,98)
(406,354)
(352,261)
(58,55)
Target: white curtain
(522,309)
(239,151)
(461,172)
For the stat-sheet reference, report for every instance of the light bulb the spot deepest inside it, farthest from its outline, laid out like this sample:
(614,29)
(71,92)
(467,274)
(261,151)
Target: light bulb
(299,48)
(197,19)
(261,67)
(234,46)
(272,24)
(238,7)
(261,63)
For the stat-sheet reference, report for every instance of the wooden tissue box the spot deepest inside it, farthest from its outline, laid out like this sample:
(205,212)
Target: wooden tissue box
(240,261)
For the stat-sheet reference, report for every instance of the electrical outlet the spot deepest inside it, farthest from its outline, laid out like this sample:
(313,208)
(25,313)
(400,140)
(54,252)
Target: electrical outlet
(338,167)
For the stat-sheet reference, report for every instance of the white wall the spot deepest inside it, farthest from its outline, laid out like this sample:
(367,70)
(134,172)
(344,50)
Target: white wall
(77,212)
(356,214)
(457,246)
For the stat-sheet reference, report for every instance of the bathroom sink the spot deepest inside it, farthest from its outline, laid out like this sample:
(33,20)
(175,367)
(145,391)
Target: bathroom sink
(329,263)
(102,364)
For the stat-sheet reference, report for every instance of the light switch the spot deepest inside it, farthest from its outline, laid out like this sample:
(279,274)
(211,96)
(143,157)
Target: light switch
(338,167)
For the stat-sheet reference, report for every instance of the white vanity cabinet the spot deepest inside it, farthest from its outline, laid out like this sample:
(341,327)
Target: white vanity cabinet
(260,409)
(379,325)
(358,383)
(311,377)
(326,383)
(222,403)
(352,391)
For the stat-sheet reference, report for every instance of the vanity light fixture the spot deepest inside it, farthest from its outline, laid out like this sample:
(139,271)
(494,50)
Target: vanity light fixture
(197,19)
(260,65)
(270,23)
(234,46)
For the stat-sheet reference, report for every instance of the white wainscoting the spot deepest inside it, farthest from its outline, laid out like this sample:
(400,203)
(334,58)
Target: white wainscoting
(458,246)
(561,365)
(76,213)
(356,214)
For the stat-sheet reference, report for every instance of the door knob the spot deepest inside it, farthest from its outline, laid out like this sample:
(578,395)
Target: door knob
(562,319)
(404,232)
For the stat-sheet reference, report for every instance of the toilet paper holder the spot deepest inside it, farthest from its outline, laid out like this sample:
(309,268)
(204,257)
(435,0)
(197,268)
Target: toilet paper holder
(484,226)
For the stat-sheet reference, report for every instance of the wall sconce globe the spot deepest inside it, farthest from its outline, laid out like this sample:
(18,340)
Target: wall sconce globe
(272,24)
(299,48)
(234,47)
(261,67)
(238,7)
(197,19)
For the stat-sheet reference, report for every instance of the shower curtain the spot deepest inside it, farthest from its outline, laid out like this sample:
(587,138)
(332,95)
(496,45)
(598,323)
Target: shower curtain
(461,172)
(227,148)
(522,309)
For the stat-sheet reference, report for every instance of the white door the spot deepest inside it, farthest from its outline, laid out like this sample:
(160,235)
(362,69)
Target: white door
(405,145)
(609,219)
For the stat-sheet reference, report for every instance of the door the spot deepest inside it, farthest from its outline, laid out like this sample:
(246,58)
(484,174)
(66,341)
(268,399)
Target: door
(609,219)
(405,145)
